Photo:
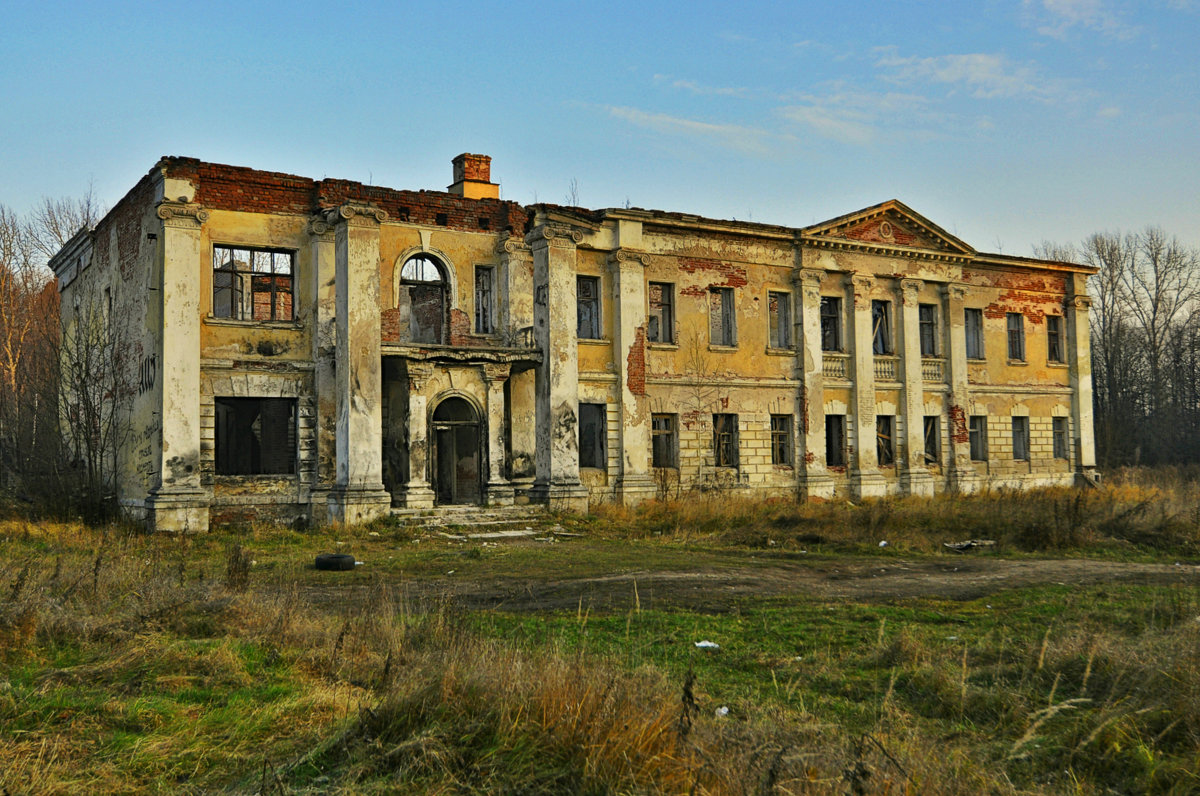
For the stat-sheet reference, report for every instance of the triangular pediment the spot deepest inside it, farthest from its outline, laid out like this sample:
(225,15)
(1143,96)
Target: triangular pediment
(891,224)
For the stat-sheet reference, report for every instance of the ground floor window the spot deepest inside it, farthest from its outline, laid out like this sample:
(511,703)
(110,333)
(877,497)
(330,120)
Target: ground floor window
(978,438)
(1061,447)
(663,441)
(591,436)
(932,439)
(835,440)
(781,439)
(1020,438)
(885,439)
(255,436)
(725,440)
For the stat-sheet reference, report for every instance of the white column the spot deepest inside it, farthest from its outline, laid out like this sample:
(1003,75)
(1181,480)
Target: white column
(554,310)
(324,351)
(499,488)
(178,502)
(914,475)
(815,480)
(634,482)
(963,477)
(865,478)
(358,494)
(1079,342)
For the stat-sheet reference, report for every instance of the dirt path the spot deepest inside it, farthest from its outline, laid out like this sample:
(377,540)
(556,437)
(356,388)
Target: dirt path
(718,589)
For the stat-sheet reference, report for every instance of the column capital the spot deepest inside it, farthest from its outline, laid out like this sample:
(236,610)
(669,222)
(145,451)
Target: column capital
(809,278)
(553,234)
(620,257)
(511,246)
(956,291)
(910,287)
(494,372)
(1078,303)
(356,213)
(419,374)
(859,282)
(181,215)
(319,228)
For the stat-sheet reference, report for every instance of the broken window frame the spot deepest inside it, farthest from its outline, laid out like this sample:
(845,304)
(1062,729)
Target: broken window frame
(587,302)
(1016,336)
(973,321)
(725,440)
(781,439)
(593,436)
(484,303)
(835,440)
(831,323)
(1061,431)
(1055,350)
(881,327)
(660,322)
(724,332)
(885,440)
(1020,438)
(927,323)
(779,320)
(231,299)
(664,442)
(932,430)
(240,422)
(426,272)
(977,438)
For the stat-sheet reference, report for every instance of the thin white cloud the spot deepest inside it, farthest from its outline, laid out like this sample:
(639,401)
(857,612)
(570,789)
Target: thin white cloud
(1057,18)
(984,75)
(837,124)
(851,116)
(732,136)
(1111,112)
(701,89)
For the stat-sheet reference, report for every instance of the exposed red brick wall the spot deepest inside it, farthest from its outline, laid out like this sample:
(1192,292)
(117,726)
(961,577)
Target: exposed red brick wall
(959,433)
(869,232)
(734,275)
(635,364)
(460,328)
(389,325)
(472,167)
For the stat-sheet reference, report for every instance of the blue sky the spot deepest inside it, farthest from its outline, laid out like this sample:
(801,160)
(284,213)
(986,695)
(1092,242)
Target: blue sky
(1007,122)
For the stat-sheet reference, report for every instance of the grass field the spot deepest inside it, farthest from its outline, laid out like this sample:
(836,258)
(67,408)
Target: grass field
(224,662)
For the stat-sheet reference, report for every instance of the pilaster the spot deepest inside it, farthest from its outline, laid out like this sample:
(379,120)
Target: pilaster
(417,492)
(178,502)
(915,478)
(358,494)
(634,482)
(1079,358)
(499,488)
(324,352)
(814,478)
(865,478)
(963,477)
(554,311)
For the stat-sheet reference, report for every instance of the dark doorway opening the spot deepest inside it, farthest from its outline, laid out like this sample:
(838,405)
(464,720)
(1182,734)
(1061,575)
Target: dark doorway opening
(456,457)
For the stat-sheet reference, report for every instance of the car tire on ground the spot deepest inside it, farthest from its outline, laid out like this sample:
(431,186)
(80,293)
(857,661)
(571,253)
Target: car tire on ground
(337,562)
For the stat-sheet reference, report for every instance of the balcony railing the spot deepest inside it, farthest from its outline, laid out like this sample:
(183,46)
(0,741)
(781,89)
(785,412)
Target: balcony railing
(886,368)
(933,370)
(834,365)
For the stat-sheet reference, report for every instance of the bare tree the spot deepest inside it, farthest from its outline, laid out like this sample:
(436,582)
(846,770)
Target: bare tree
(53,222)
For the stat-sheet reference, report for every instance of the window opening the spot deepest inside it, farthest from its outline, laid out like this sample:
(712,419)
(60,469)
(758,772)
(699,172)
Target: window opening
(1020,442)
(932,439)
(423,295)
(483,300)
(927,319)
(252,284)
(835,440)
(663,441)
(974,324)
(881,326)
(592,436)
(721,317)
(1016,336)
(725,440)
(588,307)
(1061,444)
(779,313)
(1054,339)
(831,323)
(781,439)
(255,436)
(660,325)
(978,438)
(885,448)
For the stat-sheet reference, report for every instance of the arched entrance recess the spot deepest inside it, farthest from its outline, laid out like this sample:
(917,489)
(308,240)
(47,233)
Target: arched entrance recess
(457,464)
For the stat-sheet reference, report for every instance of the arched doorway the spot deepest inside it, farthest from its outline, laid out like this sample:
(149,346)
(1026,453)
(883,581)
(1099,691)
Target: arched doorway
(457,464)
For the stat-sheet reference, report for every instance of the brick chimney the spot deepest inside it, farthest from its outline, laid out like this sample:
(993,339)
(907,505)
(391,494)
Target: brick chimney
(472,177)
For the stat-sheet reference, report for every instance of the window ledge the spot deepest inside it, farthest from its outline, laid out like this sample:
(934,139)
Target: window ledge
(1017,363)
(663,346)
(1054,364)
(976,360)
(723,349)
(213,320)
(780,352)
(594,341)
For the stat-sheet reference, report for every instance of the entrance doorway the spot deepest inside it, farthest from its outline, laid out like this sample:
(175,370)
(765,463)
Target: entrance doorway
(456,459)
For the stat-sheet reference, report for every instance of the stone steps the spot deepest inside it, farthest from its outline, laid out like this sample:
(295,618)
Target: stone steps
(478,522)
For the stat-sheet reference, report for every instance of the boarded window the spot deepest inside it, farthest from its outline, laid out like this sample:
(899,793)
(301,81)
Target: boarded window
(660,325)
(255,436)
(831,323)
(1016,336)
(933,439)
(592,434)
(721,326)
(1054,339)
(781,439)
(779,313)
(588,304)
(978,437)
(663,441)
(885,439)
(881,326)
(835,440)
(422,299)
(974,323)
(1020,438)
(1062,448)
(252,284)
(725,440)
(484,323)
(927,319)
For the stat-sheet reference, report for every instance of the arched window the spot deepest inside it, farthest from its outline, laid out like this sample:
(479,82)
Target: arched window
(423,299)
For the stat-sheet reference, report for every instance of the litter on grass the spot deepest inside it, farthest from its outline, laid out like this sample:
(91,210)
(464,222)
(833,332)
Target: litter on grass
(708,645)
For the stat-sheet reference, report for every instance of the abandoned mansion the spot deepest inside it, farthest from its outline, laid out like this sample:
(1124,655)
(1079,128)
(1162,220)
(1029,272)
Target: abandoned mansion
(328,350)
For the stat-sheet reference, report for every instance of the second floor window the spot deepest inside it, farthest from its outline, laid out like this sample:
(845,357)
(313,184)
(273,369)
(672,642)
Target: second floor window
(927,318)
(974,324)
(1054,339)
(252,284)
(831,323)
(588,294)
(660,325)
(779,312)
(1016,336)
(422,300)
(484,323)
(721,318)
(881,326)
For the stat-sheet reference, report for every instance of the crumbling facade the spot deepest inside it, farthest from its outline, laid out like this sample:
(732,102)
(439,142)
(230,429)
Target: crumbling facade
(328,350)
